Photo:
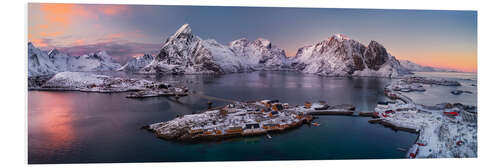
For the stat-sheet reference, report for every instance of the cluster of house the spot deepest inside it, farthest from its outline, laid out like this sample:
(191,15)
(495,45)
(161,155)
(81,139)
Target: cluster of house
(251,119)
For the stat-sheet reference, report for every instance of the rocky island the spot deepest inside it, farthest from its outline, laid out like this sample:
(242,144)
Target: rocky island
(243,119)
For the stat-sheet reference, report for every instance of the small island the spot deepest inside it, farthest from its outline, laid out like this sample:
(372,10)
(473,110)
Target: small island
(244,119)
(88,82)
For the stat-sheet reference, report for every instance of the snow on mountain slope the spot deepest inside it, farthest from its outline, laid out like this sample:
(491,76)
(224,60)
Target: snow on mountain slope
(39,62)
(411,66)
(185,53)
(47,63)
(137,63)
(259,54)
(99,61)
(342,56)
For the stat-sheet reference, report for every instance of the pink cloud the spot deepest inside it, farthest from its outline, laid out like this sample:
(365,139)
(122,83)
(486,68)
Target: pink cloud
(111,10)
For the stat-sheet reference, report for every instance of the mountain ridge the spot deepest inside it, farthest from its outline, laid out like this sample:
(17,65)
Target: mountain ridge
(185,53)
(53,61)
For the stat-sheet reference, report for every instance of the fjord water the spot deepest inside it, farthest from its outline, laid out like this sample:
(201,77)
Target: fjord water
(439,94)
(79,127)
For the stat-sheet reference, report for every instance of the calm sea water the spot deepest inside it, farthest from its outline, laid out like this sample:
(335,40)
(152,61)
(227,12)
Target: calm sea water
(442,94)
(78,127)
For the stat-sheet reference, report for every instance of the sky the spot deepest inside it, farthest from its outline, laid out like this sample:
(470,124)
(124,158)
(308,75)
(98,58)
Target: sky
(438,38)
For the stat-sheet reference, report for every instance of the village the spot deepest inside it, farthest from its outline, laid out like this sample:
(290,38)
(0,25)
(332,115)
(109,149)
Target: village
(244,119)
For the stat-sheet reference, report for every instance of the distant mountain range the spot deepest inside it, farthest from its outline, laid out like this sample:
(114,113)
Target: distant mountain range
(50,62)
(420,68)
(186,53)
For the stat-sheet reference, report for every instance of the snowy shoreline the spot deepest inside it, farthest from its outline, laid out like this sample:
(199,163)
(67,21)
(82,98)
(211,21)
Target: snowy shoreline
(444,130)
(87,82)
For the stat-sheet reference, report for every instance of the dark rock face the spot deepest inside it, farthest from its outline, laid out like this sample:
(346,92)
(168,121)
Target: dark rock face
(375,55)
(357,58)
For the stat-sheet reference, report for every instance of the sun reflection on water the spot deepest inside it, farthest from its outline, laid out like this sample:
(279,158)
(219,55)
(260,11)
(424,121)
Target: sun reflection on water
(54,120)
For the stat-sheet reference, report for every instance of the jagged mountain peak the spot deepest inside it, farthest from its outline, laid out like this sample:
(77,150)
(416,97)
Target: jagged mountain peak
(54,52)
(184,29)
(375,44)
(183,33)
(261,42)
(341,56)
(186,53)
(339,37)
(137,63)
(30,45)
(239,42)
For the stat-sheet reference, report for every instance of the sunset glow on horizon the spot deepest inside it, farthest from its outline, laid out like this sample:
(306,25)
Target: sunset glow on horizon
(436,38)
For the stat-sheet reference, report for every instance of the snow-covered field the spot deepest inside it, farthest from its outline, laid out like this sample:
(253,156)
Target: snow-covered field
(445,130)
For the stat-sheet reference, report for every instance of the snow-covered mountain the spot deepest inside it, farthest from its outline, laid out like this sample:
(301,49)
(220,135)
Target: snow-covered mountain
(259,54)
(99,61)
(39,62)
(411,66)
(341,56)
(185,53)
(137,63)
(47,63)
